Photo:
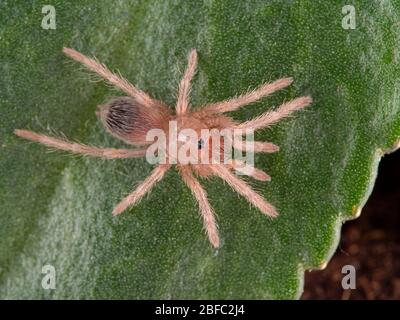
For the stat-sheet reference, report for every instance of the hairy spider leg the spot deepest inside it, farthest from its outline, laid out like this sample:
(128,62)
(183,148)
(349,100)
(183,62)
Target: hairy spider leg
(244,189)
(116,80)
(185,85)
(255,146)
(269,118)
(250,97)
(206,210)
(249,170)
(78,148)
(133,198)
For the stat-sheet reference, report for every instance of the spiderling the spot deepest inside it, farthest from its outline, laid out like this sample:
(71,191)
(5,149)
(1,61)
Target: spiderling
(130,118)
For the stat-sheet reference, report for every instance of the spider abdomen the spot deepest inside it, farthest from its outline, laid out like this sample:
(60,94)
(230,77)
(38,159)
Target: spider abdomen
(128,120)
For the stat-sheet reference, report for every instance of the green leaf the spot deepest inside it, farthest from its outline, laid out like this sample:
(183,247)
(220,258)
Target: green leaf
(55,209)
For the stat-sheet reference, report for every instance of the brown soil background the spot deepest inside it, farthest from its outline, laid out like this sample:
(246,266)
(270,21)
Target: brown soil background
(370,243)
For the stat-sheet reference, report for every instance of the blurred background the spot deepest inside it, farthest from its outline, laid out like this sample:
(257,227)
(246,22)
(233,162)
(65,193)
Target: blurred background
(370,243)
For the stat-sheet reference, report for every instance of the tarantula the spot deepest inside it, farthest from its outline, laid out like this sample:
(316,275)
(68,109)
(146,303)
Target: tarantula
(130,118)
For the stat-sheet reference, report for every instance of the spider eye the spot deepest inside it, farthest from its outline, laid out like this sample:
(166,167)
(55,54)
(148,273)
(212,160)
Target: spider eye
(200,144)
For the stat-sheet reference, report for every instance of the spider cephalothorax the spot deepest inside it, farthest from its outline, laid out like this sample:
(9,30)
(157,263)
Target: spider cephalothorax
(131,118)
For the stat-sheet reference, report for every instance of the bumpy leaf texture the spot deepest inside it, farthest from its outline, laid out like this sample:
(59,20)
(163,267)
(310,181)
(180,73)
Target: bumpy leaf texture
(55,209)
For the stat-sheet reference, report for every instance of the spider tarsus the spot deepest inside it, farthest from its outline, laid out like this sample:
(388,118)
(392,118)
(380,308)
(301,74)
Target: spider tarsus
(73,54)
(284,82)
(193,54)
(19,132)
(117,210)
(304,101)
(29,135)
(262,176)
(272,148)
(215,241)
